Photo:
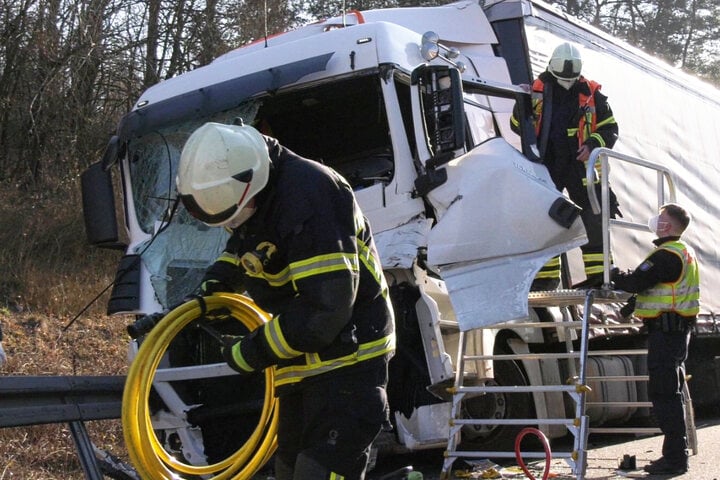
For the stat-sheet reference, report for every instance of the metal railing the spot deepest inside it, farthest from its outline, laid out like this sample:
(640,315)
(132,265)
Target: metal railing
(602,156)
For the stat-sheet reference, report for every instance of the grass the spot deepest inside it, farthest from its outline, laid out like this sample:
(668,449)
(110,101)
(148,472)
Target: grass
(48,274)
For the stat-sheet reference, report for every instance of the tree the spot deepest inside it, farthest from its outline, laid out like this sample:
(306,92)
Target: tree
(69,69)
(684,33)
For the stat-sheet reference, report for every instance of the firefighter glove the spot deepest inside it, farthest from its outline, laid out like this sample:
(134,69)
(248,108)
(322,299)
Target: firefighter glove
(232,353)
(629,307)
(208,287)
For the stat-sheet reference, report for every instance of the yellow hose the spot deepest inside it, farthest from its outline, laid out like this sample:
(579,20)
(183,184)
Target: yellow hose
(146,453)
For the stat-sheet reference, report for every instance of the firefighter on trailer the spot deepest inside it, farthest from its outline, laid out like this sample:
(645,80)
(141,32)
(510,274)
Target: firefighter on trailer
(302,249)
(667,284)
(572,118)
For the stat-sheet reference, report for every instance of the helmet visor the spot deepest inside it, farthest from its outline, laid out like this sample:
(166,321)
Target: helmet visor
(565,68)
(210,219)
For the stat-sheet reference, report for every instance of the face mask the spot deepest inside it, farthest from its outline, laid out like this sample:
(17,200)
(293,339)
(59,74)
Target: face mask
(655,225)
(241,217)
(566,84)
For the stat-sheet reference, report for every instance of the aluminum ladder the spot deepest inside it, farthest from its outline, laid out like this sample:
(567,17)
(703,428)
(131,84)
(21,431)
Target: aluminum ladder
(577,388)
(578,426)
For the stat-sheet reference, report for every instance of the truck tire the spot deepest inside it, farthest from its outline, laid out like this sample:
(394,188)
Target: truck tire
(498,406)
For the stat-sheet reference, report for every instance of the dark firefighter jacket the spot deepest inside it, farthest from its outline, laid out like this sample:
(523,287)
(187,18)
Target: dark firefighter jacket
(581,116)
(313,265)
(591,122)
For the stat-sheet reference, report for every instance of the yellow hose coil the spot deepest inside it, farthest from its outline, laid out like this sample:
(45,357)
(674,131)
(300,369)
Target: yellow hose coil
(146,453)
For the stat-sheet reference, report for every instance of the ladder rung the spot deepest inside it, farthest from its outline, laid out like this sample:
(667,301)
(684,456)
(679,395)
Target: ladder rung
(618,404)
(518,389)
(523,356)
(630,351)
(620,378)
(562,324)
(570,324)
(468,454)
(557,355)
(513,421)
(644,430)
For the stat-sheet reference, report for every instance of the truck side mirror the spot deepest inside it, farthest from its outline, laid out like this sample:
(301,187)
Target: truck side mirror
(438,110)
(98,202)
(441,103)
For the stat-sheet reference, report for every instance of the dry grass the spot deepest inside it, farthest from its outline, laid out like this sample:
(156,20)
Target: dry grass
(47,275)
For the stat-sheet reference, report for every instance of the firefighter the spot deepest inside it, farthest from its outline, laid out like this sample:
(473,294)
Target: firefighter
(572,118)
(302,249)
(667,285)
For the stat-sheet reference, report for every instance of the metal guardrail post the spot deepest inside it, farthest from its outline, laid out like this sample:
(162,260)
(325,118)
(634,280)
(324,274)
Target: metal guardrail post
(86,453)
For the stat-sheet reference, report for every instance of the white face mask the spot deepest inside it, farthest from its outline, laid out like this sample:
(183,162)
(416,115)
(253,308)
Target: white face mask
(655,225)
(566,84)
(241,217)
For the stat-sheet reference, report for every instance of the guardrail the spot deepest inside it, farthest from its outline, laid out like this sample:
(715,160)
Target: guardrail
(36,400)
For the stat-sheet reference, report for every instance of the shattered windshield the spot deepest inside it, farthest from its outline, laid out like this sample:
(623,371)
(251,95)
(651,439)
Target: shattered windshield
(320,122)
(176,258)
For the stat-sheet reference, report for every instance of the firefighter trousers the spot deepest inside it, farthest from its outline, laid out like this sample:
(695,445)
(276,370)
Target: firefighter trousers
(326,428)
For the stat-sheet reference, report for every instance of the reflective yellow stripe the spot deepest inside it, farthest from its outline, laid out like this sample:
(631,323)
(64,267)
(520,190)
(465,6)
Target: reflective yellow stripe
(552,263)
(370,262)
(548,274)
(276,340)
(238,358)
(551,269)
(275,279)
(330,262)
(593,257)
(229,258)
(607,121)
(336,476)
(598,138)
(366,351)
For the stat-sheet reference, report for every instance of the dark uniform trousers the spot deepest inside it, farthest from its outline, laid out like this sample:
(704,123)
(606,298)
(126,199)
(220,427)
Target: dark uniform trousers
(328,424)
(668,339)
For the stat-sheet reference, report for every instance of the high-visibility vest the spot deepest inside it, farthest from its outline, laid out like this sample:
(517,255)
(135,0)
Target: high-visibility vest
(588,119)
(682,296)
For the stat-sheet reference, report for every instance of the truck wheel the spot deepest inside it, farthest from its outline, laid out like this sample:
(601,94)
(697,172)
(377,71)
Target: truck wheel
(497,406)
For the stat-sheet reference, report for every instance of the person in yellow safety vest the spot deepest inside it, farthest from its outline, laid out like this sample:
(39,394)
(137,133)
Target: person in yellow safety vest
(572,118)
(304,252)
(667,287)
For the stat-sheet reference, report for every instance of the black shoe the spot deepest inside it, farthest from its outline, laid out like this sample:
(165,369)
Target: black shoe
(593,281)
(663,467)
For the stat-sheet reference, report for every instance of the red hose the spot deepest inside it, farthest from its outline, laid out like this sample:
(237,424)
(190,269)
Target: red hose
(546,446)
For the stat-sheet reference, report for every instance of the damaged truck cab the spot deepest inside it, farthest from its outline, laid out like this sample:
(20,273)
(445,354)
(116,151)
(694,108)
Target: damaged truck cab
(418,123)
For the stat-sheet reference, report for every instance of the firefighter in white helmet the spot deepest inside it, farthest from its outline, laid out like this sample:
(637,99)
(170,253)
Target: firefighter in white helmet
(572,118)
(302,249)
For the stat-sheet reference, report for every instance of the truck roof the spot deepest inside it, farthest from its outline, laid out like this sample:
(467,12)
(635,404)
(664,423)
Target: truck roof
(336,46)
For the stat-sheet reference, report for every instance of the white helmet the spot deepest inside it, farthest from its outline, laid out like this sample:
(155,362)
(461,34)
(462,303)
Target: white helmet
(222,167)
(565,64)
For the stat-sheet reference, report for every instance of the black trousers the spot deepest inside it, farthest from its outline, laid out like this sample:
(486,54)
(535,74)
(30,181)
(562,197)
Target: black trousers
(667,352)
(326,428)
